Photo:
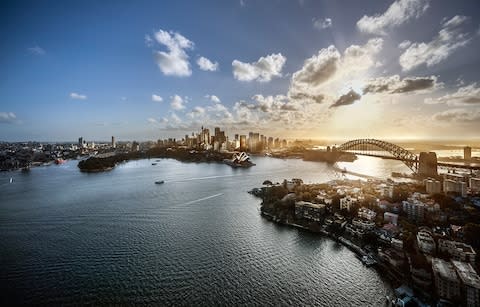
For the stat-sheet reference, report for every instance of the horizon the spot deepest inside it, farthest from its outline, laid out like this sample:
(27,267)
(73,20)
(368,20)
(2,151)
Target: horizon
(401,70)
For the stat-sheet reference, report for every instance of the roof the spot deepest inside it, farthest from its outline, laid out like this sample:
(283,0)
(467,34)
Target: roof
(444,269)
(467,274)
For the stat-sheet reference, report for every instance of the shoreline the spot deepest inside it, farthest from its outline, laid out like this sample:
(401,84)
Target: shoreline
(379,267)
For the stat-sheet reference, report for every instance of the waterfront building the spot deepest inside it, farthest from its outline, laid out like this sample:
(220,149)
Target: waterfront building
(347,202)
(467,152)
(114,144)
(389,217)
(470,283)
(367,214)
(457,250)
(433,186)
(309,211)
(425,241)
(415,209)
(447,282)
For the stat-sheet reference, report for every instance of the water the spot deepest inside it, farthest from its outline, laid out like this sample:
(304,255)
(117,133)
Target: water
(117,238)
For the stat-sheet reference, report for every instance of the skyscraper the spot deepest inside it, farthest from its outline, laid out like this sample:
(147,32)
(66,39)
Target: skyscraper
(467,152)
(114,145)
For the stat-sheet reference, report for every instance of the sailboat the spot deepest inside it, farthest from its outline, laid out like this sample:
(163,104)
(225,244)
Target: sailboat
(11,179)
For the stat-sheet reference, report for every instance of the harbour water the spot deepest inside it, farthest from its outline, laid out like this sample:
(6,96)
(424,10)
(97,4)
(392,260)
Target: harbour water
(68,237)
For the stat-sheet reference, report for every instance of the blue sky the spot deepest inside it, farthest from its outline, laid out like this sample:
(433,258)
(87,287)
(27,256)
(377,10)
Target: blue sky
(317,69)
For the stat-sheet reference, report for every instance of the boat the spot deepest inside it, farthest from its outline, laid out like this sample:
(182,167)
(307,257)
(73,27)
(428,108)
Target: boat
(154,163)
(160,182)
(239,160)
(11,179)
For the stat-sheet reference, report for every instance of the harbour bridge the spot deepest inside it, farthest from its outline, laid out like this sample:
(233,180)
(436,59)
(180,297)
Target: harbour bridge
(423,164)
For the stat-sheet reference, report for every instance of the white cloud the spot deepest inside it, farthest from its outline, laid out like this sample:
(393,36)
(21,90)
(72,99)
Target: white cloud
(308,83)
(207,65)
(177,103)
(262,70)
(466,95)
(213,98)
(398,13)
(321,24)
(405,44)
(458,116)
(197,112)
(242,3)
(148,40)
(152,120)
(78,96)
(7,117)
(37,50)
(175,61)
(449,39)
(157,98)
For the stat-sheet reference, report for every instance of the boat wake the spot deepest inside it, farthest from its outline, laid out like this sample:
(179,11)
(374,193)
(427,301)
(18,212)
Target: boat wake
(201,199)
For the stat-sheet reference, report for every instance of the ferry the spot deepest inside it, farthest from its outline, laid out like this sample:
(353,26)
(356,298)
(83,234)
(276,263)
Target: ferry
(160,182)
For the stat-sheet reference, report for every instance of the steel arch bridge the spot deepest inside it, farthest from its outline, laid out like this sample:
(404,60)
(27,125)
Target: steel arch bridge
(367,146)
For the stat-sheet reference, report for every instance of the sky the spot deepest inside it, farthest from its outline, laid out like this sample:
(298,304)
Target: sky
(318,69)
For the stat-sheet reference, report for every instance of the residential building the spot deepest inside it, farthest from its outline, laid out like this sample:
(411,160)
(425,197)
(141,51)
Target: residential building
(425,240)
(309,211)
(474,184)
(347,202)
(367,214)
(470,283)
(415,209)
(447,283)
(433,186)
(467,152)
(365,225)
(389,217)
(457,250)
(450,185)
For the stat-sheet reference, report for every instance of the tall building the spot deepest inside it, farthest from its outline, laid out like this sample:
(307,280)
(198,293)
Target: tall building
(446,280)
(433,186)
(80,142)
(467,152)
(415,209)
(243,142)
(114,145)
(470,283)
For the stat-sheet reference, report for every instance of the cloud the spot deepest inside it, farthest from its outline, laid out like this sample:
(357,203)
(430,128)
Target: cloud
(207,65)
(196,112)
(157,98)
(458,116)
(321,24)
(272,103)
(398,13)
(152,120)
(78,96)
(346,99)
(395,85)
(37,50)
(7,117)
(213,98)
(243,3)
(262,70)
(308,83)
(405,44)
(466,95)
(148,40)
(177,103)
(307,97)
(318,69)
(449,39)
(175,61)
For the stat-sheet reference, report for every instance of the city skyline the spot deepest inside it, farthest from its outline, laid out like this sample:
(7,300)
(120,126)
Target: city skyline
(401,69)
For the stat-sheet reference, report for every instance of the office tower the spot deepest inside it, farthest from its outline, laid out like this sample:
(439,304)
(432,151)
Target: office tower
(467,152)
